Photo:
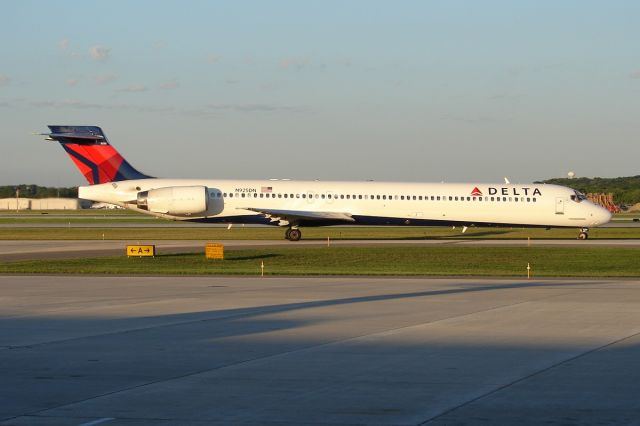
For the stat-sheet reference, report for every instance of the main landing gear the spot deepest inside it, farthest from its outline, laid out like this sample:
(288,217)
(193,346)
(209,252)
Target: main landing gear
(584,234)
(293,234)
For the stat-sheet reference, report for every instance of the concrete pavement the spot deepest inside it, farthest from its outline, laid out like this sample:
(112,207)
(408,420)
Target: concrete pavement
(204,350)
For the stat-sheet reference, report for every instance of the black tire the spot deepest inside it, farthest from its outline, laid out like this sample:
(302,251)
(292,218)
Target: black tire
(295,235)
(287,234)
(583,236)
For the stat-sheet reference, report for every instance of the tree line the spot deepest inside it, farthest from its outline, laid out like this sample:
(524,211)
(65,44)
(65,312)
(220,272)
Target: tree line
(626,190)
(37,191)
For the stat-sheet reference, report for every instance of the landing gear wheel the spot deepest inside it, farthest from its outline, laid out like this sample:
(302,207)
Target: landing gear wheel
(584,234)
(293,234)
(286,233)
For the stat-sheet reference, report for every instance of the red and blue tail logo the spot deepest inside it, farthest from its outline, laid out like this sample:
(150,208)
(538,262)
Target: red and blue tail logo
(476,192)
(89,149)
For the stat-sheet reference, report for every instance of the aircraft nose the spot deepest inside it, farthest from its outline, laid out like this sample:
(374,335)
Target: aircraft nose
(602,216)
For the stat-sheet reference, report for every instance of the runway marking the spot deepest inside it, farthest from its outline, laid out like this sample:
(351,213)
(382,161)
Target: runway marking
(97,422)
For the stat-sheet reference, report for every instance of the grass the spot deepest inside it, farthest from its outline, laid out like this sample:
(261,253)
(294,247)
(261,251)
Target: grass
(335,233)
(380,261)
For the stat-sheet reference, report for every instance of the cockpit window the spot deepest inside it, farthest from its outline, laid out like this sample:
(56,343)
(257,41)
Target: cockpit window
(578,196)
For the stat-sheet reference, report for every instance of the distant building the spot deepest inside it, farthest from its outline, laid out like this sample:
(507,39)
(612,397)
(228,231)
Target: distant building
(15,204)
(43,204)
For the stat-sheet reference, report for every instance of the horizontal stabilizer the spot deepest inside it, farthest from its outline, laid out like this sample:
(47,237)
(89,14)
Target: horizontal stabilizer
(81,135)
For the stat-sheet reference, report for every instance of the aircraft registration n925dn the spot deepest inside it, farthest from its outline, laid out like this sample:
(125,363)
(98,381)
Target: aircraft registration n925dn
(295,204)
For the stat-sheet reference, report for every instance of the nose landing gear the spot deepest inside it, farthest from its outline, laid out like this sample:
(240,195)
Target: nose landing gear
(293,234)
(584,234)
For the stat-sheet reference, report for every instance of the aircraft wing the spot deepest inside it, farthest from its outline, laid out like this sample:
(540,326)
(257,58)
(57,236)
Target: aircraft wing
(286,217)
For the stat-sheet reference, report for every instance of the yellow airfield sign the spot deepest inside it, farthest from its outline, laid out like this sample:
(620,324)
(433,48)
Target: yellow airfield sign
(214,251)
(141,250)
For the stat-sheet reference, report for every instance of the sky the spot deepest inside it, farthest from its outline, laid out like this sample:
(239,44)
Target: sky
(332,90)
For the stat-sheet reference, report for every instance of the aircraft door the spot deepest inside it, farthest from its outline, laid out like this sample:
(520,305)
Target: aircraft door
(559,205)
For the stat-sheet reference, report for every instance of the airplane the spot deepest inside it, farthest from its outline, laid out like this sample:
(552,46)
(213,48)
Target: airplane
(295,204)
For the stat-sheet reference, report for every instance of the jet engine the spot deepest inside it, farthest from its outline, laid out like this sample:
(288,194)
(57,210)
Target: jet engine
(174,200)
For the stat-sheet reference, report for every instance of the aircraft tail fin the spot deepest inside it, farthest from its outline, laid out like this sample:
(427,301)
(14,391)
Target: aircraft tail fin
(92,154)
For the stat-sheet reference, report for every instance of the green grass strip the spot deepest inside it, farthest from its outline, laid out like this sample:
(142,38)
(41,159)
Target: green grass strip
(397,261)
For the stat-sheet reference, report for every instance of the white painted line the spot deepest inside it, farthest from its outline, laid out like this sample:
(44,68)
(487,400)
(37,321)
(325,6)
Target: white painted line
(97,422)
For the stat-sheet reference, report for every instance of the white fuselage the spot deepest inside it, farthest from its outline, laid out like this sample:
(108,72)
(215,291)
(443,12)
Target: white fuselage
(374,203)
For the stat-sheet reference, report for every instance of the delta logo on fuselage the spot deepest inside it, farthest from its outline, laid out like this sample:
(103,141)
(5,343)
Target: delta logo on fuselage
(524,191)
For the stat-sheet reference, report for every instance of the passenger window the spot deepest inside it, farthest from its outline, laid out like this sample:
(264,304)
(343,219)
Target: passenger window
(323,196)
(359,197)
(342,197)
(534,200)
(285,195)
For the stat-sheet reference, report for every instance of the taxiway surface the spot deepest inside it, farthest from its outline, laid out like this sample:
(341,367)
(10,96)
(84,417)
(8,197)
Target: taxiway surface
(203,350)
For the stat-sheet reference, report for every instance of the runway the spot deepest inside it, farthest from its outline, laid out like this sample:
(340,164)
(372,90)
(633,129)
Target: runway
(15,250)
(332,351)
